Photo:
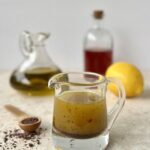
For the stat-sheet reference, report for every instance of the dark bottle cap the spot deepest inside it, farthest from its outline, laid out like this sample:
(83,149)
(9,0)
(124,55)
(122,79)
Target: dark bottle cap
(98,14)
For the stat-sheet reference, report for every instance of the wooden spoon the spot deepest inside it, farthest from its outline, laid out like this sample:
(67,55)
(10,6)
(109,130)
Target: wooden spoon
(27,123)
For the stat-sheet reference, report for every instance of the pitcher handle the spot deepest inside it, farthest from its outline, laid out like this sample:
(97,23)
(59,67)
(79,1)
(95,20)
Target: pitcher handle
(114,112)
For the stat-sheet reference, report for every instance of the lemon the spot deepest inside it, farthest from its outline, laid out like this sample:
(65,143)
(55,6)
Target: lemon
(129,75)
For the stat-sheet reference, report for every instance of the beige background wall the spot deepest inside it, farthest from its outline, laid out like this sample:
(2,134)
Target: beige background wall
(67,21)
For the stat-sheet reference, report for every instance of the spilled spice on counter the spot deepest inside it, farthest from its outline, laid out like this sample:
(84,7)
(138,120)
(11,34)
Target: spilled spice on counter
(31,145)
(11,139)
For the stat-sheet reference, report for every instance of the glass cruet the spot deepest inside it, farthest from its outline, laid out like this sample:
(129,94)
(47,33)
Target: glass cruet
(32,76)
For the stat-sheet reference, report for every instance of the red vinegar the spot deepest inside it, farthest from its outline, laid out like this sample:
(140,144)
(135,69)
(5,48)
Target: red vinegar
(97,60)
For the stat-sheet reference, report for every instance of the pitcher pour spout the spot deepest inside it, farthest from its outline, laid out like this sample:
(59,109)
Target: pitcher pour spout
(59,79)
(52,82)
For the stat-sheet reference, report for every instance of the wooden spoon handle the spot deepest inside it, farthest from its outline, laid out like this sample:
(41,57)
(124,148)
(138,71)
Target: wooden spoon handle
(15,111)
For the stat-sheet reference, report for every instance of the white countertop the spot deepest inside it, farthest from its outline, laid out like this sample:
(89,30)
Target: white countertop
(131,130)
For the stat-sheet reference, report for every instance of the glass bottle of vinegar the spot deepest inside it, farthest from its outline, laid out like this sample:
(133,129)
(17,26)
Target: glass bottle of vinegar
(98,47)
(32,76)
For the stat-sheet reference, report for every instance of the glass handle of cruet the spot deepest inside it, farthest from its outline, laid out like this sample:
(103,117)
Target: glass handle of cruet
(25,43)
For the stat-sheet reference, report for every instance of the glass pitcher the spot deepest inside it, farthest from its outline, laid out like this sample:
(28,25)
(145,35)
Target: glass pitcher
(32,76)
(81,120)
